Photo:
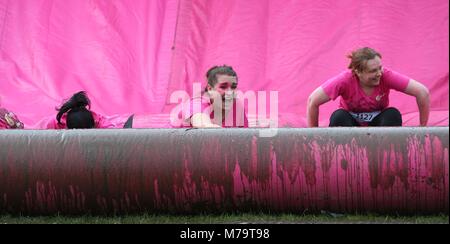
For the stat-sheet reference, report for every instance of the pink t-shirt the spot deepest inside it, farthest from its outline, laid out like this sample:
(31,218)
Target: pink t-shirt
(353,97)
(203,105)
(8,120)
(100,122)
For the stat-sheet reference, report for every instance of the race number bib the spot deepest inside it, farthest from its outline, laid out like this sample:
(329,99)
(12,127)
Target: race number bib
(365,117)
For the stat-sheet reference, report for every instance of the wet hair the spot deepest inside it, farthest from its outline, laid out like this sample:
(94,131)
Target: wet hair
(212,73)
(78,116)
(359,58)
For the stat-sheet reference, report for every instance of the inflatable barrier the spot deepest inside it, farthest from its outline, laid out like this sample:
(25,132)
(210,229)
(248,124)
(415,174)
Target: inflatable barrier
(116,171)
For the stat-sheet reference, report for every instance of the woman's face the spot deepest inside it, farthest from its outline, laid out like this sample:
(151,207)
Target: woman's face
(225,87)
(370,77)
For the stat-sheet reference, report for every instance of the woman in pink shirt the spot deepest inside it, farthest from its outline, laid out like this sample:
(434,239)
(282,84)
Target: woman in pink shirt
(75,114)
(364,91)
(218,106)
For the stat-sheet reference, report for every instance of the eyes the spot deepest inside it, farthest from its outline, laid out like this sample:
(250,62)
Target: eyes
(225,86)
(373,71)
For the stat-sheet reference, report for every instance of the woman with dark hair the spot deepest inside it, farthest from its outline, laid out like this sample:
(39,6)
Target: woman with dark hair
(75,113)
(218,106)
(364,91)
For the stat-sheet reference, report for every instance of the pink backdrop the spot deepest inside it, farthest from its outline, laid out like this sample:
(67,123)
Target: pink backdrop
(130,55)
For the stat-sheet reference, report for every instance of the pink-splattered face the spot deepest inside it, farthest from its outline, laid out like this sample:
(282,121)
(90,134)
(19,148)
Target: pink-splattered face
(370,77)
(225,87)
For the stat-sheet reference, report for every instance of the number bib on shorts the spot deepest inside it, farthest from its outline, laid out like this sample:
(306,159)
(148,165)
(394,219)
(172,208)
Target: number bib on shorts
(365,117)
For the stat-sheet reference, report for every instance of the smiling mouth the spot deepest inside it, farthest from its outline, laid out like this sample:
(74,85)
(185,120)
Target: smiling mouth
(227,101)
(227,97)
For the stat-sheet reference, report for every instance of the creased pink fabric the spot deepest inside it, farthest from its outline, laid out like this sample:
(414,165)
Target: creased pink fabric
(118,51)
(130,55)
(294,46)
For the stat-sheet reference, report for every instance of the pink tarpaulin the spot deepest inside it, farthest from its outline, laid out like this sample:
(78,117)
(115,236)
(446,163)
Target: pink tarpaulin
(131,55)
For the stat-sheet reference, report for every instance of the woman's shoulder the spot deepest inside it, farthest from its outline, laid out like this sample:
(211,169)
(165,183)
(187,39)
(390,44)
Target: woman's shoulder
(101,121)
(344,77)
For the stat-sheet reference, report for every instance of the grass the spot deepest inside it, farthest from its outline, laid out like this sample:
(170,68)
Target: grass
(325,218)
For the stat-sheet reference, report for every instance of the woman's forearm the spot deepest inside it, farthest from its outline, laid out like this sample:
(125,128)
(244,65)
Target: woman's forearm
(423,103)
(313,116)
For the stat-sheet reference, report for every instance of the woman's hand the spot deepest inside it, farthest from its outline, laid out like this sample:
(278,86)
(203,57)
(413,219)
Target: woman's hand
(201,120)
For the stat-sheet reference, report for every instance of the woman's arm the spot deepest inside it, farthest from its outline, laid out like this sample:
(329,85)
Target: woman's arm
(317,98)
(422,95)
(201,120)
